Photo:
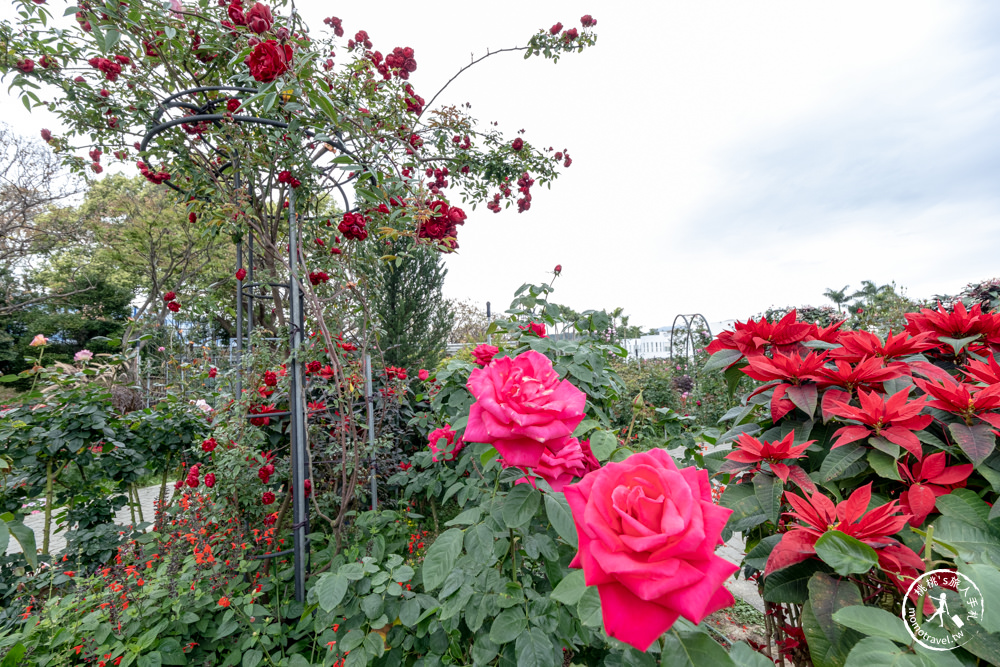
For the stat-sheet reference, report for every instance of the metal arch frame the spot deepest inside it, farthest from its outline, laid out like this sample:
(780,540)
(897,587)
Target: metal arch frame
(689,321)
(245,291)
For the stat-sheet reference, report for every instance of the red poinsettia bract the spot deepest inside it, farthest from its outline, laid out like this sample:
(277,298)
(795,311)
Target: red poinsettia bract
(929,479)
(987,373)
(817,514)
(752,338)
(866,374)
(964,400)
(774,453)
(895,418)
(958,324)
(858,345)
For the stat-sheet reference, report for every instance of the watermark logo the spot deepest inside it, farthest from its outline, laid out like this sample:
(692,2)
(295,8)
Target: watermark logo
(948,601)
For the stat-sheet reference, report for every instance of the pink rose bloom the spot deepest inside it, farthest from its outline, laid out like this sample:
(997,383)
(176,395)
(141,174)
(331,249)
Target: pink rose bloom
(562,460)
(484,354)
(83,355)
(423,374)
(521,404)
(648,534)
(449,448)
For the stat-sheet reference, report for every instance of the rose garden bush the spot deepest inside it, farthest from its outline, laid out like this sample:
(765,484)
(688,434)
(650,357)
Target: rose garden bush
(564,544)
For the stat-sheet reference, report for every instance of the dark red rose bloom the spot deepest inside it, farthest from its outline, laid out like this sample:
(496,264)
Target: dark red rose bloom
(270,378)
(269,60)
(210,480)
(209,444)
(554,30)
(236,14)
(232,105)
(570,34)
(27,65)
(267,498)
(517,144)
(353,226)
(241,274)
(192,217)
(169,296)
(558,269)
(588,21)
(259,18)
(213,371)
(46,136)
(174,306)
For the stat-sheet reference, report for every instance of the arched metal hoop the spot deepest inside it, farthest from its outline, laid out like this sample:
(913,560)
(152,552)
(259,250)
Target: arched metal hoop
(688,340)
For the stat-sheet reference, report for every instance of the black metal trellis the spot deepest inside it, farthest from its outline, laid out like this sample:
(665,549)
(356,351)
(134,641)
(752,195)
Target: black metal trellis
(246,294)
(689,322)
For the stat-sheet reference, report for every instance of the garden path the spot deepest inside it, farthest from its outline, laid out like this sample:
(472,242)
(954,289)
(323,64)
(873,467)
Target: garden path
(36,520)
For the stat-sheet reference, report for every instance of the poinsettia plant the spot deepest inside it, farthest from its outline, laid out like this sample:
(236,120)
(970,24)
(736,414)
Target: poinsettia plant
(855,465)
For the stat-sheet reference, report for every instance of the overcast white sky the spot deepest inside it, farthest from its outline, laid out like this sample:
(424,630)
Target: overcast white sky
(727,156)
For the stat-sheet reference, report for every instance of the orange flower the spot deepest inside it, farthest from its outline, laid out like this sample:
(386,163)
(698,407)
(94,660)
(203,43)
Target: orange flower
(224,602)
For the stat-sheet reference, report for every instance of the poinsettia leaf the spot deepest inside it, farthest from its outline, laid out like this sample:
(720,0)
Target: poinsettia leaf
(839,460)
(884,465)
(845,554)
(883,445)
(757,557)
(804,397)
(976,441)
(829,642)
(958,344)
(873,621)
(791,584)
(768,490)
(722,359)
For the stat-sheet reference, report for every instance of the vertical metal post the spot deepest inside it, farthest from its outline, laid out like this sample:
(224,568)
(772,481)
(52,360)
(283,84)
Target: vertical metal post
(239,295)
(370,405)
(489,321)
(250,281)
(300,504)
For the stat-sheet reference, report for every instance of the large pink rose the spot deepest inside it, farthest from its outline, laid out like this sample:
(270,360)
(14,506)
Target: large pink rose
(648,534)
(520,405)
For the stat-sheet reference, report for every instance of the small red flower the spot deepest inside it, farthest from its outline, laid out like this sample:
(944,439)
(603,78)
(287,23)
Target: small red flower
(517,144)
(241,274)
(209,444)
(173,306)
(223,602)
(267,498)
(169,296)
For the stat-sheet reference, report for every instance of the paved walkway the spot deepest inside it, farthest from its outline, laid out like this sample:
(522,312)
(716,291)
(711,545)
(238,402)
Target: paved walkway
(57,541)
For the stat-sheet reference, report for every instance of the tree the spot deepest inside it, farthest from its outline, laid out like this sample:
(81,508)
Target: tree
(93,302)
(143,230)
(839,297)
(408,307)
(469,323)
(31,183)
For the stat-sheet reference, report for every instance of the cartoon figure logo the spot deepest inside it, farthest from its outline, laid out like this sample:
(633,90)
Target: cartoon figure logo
(942,609)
